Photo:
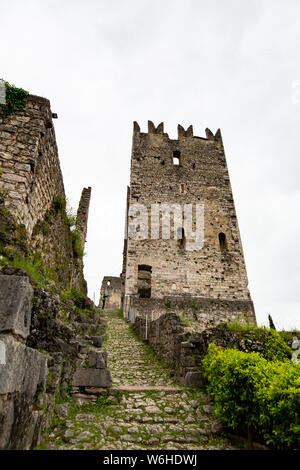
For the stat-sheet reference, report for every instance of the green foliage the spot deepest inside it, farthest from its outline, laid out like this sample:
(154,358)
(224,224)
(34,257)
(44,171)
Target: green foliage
(194,309)
(184,320)
(168,303)
(76,244)
(3,195)
(275,348)
(237,326)
(45,228)
(40,274)
(254,394)
(59,203)
(79,298)
(16,99)
(271,323)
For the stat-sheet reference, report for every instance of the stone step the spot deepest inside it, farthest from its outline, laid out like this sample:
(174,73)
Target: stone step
(149,388)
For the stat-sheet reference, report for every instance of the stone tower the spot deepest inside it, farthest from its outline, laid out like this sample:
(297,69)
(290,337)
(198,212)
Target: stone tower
(207,279)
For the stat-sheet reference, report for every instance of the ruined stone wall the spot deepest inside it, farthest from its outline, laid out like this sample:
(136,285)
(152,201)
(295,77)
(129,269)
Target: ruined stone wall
(29,160)
(214,272)
(183,349)
(82,214)
(164,334)
(32,179)
(47,349)
(111,286)
(200,313)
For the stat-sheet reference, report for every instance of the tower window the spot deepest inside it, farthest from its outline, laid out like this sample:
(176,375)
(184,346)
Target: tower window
(182,188)
(181,237)
(144,281)
(177,159)
(222,241)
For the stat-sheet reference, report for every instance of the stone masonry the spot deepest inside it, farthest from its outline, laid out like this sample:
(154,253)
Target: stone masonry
(29,160)
(189,170)
(111,286)
(82,213)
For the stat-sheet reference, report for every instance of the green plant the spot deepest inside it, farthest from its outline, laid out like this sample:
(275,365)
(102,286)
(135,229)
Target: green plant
(3,195)
(168,303)
(59,203)
(41,274)
(78,297)
(76,244)
(194,309)
(16,99)
(255,395)
(271,323)
(275,348)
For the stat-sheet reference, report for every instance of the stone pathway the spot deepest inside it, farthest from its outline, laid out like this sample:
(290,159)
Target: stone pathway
(145,409)
(130,361)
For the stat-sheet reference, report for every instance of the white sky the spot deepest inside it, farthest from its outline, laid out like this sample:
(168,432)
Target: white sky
(230,64)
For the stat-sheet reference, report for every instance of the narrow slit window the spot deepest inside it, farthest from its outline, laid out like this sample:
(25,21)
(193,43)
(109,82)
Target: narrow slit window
(182,188)
(222,241)
(181,237)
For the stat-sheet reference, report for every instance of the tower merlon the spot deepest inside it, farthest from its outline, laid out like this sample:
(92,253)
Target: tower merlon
(182,133)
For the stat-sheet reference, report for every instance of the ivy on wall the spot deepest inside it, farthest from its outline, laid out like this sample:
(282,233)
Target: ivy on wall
(15,100)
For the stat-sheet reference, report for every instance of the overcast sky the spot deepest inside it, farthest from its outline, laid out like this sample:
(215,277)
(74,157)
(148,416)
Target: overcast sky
(232,64)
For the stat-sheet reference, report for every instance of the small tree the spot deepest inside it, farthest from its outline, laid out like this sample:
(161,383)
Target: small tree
(271,323)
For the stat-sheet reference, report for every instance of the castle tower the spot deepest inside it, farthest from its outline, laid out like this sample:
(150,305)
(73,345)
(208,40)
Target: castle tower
(207,278)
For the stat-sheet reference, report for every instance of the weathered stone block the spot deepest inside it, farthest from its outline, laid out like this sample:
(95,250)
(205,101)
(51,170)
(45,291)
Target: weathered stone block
(194,379)
(24,369)
(92,378)
(98,359)
(97,340)
(15,305)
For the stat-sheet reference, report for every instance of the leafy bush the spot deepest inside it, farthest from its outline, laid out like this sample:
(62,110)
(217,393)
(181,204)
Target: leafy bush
(275,348)
(16,99)
(253,394)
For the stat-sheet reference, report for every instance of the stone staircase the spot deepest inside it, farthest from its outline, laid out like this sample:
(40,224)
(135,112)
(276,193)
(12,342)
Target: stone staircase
(144,409)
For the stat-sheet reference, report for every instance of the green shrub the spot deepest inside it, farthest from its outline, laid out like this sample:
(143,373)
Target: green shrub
(253,394)
(275,348)
(16,99)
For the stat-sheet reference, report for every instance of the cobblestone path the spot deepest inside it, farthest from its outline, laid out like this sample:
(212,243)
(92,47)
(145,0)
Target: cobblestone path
(145,409)
(130,361)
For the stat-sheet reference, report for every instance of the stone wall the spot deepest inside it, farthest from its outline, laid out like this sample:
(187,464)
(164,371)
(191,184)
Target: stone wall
(196,312)
(30,163)
(111,286)
(212,273)
(48,350)
(35,196)
(50,332)
(183,348)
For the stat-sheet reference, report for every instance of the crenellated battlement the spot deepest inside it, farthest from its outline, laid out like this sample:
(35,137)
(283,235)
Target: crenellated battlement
(182,133)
